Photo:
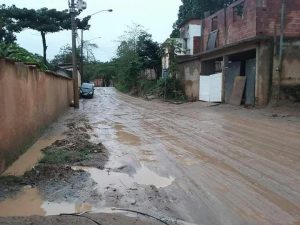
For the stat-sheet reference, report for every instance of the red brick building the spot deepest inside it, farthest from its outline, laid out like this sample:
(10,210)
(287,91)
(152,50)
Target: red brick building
(244,40)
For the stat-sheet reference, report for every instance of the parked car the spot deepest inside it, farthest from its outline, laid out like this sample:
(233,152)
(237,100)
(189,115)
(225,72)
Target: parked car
(87,90)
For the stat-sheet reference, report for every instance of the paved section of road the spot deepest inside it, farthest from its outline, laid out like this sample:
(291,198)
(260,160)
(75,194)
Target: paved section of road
(228,166)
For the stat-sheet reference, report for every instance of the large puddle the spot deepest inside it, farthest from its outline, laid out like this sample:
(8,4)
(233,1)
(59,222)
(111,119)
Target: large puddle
(143,176)
(29,202)
(30,158)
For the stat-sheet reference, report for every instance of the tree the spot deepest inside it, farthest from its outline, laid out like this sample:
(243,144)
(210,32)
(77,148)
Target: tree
(136,52)
(172,48)
(43,20)
(7,27)
(99,70)
(64,56)
(176,32)
(148,52)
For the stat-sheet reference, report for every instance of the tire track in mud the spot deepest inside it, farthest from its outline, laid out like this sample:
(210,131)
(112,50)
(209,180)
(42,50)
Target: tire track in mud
(259,178)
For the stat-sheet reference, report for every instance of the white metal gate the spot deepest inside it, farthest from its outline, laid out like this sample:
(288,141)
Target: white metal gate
(211,88)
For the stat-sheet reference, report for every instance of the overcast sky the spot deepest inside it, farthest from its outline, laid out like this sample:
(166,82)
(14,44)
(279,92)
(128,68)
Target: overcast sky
(157,16)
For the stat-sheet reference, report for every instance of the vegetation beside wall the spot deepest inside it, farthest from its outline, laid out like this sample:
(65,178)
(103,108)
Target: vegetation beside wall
(19,54)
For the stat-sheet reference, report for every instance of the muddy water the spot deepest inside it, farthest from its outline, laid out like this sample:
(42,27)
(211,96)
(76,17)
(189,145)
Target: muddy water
(30,203)
(26,203)
(143,176)
(29,159)
(126,137)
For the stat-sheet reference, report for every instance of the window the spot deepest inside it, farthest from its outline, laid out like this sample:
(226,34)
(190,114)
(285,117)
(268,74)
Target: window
(214,23)
(238,11)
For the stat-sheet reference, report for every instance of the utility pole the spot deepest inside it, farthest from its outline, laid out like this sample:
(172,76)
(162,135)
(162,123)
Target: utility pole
(81,56)
(278,57)
(74,60)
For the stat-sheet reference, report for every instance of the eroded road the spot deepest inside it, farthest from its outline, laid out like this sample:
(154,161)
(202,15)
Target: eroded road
(193,163)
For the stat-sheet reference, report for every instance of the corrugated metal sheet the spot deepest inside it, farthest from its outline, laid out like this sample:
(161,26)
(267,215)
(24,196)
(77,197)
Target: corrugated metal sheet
(250,83)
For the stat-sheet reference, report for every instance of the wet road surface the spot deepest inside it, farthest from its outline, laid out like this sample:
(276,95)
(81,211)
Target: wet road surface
(199,164)
(229,167)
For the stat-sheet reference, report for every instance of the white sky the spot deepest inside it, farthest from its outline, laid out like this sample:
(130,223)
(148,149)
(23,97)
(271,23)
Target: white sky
(157,16)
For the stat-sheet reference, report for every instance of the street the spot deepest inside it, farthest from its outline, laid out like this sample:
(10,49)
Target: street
(193,163)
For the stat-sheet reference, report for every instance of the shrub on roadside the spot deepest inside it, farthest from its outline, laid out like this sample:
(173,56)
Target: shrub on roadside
(19,54)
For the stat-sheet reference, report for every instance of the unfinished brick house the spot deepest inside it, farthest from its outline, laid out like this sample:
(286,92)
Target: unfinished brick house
(244,39)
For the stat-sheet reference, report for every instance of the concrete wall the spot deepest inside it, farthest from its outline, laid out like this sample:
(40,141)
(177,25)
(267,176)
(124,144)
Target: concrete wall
(263,73)
(190,74)
(290,76)
(29,101)
(149,74)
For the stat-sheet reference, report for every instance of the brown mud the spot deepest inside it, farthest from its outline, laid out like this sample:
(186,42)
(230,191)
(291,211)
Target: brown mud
(185,164)
(53,175)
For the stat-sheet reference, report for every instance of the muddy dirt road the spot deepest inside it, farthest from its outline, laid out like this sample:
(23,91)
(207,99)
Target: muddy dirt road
(188,164)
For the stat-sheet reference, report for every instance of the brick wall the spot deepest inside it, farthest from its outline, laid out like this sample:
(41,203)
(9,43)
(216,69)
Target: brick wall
(260,17)
(207,28)
(237,28)
(243,27)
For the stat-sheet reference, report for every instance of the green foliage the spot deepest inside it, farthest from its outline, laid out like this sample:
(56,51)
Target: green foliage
(16,53)
(136,52)
(148,52)
(172,47)
(170,88)
(176,32)
(7,27)
(65,56)
(148,87)
(65,156)
(196,9)
(97,70)
(84,23)
(44,20)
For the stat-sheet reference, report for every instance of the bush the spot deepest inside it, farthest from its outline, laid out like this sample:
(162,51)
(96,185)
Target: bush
(16,53)
(170,88)
(147,87)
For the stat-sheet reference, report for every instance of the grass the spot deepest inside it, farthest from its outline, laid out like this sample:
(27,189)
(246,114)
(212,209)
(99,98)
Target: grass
(62,156)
